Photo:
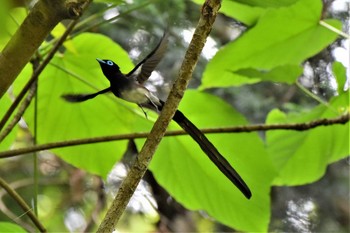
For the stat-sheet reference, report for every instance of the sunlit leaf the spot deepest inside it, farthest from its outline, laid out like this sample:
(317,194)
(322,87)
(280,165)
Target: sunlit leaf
(275,41)
(286,73)
(58,30)
(242,12)
(302,157)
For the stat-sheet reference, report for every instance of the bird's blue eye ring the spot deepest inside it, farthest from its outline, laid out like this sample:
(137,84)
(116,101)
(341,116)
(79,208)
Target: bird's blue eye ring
(110,63)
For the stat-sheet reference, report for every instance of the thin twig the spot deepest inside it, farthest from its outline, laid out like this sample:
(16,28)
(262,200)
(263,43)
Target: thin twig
(19,113)
(22,204)
(343,119)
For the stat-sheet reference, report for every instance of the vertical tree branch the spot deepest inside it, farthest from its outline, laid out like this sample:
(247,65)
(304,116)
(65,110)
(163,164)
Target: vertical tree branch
(128,187)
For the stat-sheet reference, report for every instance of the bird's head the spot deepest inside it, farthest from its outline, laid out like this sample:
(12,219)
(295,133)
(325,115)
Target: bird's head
(109,68)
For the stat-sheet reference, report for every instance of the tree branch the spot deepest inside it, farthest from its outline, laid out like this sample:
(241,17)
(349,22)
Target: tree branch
(44,16)
(343,119)
(128,187)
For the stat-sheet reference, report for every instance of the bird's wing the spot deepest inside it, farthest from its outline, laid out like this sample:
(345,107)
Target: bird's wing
(149,63)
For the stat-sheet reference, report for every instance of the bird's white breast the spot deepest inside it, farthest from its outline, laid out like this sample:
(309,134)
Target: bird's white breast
(139,95)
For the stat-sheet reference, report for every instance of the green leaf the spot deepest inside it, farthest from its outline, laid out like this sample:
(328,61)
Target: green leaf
(267,3)
(286,73)
(248,12)
(58,30)
(3,17)
(110,1)
(244,13)
(104,115)
(302,157)
(191,178)
(275,41)
(10,227)
(339,72)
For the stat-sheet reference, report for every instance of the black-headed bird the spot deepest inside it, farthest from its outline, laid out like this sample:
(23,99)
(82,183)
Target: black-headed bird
(130,87)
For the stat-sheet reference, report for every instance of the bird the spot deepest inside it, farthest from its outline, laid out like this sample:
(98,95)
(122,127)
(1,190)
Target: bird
(130,87)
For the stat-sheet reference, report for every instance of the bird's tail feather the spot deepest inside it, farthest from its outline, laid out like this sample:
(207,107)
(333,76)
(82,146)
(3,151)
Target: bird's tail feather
(213,154)
(76,98)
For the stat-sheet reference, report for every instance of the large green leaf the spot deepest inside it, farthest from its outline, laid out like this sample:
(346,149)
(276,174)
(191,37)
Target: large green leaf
(104,115)
(285,74)
(275,41)
(185,171)
(302,157)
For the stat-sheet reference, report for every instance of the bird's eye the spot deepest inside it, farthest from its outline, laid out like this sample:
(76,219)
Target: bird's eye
(110,63)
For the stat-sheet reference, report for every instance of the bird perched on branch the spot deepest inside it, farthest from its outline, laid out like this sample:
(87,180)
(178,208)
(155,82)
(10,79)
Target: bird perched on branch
(130,87)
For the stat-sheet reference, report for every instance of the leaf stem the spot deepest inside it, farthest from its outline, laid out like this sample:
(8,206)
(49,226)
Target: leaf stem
(333,29)
(315,97)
